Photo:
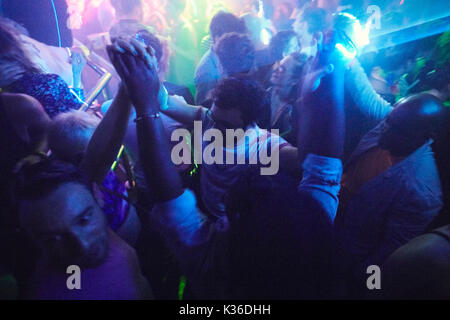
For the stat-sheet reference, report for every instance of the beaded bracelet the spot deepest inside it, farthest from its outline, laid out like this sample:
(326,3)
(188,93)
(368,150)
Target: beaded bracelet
(152,116)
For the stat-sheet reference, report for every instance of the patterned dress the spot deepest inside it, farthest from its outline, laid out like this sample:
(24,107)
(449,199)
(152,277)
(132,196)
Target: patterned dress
(50,90)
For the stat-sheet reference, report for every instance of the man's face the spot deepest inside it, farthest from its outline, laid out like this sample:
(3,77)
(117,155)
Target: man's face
(393,139)
(399,134)
(307,41)
(282,72)
(68,225)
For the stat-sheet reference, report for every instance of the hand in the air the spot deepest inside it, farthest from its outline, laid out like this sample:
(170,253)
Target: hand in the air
(78,62)
(136,66)
(313,77)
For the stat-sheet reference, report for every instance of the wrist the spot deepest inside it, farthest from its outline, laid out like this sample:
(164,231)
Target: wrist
(152,116)
(147,108)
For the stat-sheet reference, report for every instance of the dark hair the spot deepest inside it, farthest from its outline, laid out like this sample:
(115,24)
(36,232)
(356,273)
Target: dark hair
(279,43)
(236,53)
(414,120)
(425,113)
(224,22)
(38,180)
(316,18)
(151,40)
(240,93)
(12,47)
(126,6)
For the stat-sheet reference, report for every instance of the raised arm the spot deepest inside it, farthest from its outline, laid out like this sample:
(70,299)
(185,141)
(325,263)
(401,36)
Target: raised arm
(322,117)
(107,139)
(321,121)
(363,94)
(183,225)
(321,135)
(142,82)
(160,172)
(182,112)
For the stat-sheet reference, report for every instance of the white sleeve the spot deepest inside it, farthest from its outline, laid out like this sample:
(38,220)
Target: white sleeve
(181,219)
(363,94)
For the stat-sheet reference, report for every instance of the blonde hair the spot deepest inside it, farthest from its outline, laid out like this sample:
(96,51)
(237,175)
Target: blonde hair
(70,133)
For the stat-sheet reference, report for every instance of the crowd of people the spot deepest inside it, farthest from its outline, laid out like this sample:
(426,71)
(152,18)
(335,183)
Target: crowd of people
(362,180)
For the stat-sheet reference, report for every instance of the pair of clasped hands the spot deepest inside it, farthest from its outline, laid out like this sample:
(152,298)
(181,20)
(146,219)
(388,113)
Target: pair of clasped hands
(137,67)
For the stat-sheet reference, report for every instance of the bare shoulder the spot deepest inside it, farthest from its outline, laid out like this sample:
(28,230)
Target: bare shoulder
(429,250)
(18,105)
(21,100)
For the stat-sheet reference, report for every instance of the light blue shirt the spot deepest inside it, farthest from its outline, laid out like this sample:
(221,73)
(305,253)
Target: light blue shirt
(391,209)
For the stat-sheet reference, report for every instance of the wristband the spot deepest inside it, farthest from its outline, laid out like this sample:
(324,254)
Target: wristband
(151,116)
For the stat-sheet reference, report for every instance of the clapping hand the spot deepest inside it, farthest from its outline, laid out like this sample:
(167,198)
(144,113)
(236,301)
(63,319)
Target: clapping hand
(136,66)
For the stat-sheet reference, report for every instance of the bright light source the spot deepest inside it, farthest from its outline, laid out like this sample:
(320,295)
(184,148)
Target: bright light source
(354,37)
(348,54)
(361,34)
(265,37)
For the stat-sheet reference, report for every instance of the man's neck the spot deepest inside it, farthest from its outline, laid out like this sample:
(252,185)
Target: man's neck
(231,116)
(281,93)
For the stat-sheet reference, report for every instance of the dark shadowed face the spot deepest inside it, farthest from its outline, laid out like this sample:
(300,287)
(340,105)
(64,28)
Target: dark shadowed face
(68,225)
(409,125)
(397,140)
(283,72)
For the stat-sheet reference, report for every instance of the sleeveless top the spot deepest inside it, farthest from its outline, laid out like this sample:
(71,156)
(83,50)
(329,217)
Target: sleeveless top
(50,90)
